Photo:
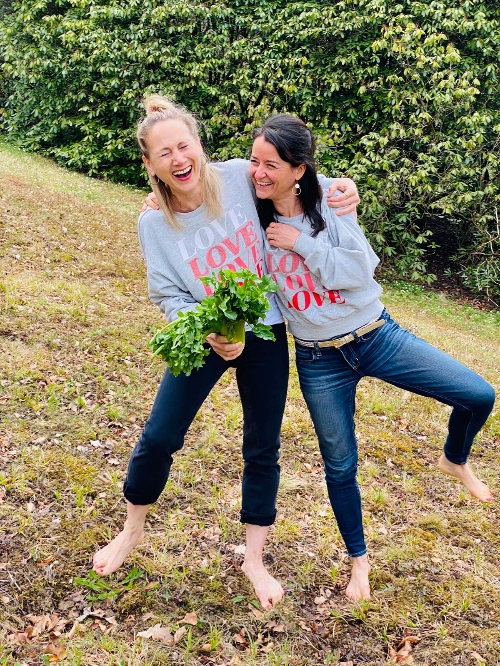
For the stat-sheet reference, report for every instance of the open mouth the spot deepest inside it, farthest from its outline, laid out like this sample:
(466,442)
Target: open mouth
(261,183)
(183,174)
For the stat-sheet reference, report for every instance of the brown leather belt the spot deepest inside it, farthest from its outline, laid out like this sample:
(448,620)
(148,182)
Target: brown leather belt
(349,337)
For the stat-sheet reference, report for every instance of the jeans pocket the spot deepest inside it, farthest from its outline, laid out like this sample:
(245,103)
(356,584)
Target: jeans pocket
(370,335)
(304,354)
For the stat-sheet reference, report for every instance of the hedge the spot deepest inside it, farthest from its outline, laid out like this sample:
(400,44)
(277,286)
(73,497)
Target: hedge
(404,97)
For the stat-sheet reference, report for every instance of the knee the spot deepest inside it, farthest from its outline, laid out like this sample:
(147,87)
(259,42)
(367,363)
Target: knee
(159,442)
(485,397)
(262,457)
(491,396)
(338,473)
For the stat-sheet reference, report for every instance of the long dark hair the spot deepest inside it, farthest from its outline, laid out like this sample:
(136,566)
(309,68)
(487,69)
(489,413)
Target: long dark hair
(295,144)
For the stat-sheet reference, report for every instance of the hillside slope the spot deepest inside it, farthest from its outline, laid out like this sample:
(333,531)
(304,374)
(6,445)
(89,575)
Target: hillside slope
(76,385)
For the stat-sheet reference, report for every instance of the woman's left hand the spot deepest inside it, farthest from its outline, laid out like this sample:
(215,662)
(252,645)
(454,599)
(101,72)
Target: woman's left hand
(282,235)
(347,201)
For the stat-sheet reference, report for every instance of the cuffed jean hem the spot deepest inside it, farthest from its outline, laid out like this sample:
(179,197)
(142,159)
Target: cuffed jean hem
(360,554)
(454,460)
(137,499)
(255,519)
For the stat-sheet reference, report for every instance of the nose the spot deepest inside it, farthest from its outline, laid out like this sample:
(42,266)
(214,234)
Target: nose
(177,156)
(260,172)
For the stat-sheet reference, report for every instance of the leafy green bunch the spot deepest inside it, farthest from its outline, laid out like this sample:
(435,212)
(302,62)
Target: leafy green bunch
(237,298)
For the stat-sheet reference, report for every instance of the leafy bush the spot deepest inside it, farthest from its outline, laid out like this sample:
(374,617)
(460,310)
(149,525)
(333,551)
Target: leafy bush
(404,97)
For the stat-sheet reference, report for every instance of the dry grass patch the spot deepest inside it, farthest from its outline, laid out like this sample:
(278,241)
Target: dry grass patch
(76,386)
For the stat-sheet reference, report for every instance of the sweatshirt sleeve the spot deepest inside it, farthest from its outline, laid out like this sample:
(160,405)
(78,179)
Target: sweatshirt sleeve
(166,289)
(342,258)
(168,296)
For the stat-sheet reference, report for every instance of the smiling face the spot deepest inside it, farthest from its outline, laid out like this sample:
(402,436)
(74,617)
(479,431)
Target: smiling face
(176,158)
(272,177)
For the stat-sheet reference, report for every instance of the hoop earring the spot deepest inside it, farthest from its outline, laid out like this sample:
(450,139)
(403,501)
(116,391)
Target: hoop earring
(297,190)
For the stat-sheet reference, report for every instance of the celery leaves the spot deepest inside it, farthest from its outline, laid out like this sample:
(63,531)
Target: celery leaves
(237,298)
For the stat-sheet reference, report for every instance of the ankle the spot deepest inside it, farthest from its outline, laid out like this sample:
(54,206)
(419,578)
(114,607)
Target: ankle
(133,527)
(360,562)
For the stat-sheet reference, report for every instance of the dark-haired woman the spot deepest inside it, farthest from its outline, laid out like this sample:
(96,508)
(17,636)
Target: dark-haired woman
(207,222)
(324,268)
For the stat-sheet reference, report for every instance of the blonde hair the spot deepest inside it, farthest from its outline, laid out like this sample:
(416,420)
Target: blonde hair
(160,108)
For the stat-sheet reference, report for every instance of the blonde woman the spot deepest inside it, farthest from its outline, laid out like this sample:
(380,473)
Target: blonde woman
(207,222)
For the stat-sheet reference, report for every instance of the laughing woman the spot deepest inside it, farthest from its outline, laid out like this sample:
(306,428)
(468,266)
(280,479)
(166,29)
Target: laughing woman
(207,221)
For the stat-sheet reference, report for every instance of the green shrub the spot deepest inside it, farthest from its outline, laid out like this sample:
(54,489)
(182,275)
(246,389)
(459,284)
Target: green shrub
(404,97)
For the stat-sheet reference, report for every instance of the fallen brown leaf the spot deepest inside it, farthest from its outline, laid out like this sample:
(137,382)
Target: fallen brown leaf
(190,618)
(160,633)
(274,626)
(56,651)
(205,648)
(268,647)
(410,637)
(179,634)
(405,650)
(241,638)
(18,637)
(73,631)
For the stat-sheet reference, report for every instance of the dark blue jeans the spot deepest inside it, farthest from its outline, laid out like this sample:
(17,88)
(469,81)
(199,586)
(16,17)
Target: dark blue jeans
(328,379)
(262,377)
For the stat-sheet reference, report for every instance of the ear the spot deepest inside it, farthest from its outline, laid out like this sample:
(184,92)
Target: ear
(148,165)
(300,171)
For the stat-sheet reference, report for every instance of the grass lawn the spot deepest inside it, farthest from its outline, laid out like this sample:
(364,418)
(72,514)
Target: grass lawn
(76,386)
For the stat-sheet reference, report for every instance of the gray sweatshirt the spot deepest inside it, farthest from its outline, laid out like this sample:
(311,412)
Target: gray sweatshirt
(176,259)
(326,284)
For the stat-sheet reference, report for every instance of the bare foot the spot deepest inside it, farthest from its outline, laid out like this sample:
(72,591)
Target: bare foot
(111,557)
(467,477)
(269,592)
(359,586)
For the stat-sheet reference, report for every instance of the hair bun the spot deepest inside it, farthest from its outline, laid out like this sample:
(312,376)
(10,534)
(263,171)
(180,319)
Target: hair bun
(156,103)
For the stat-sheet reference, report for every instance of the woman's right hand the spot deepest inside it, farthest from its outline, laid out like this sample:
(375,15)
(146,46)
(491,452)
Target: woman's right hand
(228,350)
(150,202)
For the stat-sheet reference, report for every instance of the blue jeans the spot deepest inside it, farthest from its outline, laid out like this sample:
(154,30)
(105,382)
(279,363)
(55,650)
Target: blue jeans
(262,377)
(328,379)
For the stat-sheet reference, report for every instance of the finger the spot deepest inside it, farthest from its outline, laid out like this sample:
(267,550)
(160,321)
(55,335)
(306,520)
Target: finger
(345,210)
(219,339)
(341,193)
(152,202)
(341,202)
